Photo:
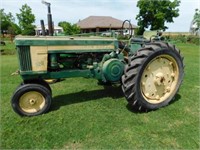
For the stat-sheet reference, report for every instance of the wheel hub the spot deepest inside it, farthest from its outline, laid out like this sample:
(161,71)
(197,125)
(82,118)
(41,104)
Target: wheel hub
(32,102)
(159,79)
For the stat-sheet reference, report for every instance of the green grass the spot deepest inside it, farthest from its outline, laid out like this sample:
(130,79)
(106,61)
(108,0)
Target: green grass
(85,115)
(8,49)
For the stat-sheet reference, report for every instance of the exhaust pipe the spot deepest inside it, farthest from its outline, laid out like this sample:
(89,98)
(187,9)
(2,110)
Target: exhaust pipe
(43,27)
(49,17)
(50,26)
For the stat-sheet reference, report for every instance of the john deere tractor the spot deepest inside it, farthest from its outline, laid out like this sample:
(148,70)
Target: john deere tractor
(150,70)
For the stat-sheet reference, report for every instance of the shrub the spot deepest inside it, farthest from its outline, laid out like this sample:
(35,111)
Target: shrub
(193,39)
(183,38)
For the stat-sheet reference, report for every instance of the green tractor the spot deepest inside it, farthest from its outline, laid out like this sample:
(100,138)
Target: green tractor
(150,71)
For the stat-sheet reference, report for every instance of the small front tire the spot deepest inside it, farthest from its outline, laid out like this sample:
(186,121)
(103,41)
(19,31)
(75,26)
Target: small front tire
(31,100)
(40,82)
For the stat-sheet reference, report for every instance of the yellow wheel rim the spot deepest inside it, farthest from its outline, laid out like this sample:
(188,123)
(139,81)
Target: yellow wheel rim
(159,79)
(32,102)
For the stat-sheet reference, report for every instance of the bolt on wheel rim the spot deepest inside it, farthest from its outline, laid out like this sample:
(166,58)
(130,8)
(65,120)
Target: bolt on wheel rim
(159,79)
(32,102)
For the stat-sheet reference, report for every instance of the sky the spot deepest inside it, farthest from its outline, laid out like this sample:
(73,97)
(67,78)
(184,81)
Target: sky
(74,10)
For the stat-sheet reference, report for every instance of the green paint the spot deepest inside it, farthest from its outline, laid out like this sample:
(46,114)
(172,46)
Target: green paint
(135,47)
(50,41)
(61,63)
(113,70)
(80,51)
(24,58)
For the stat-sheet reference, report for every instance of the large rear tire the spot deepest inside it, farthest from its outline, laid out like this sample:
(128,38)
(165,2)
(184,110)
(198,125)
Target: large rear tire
(153,76)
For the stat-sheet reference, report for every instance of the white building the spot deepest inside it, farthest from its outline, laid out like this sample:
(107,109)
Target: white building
(57,29)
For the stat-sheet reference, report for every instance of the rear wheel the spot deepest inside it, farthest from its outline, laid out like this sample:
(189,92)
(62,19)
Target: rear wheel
(153,76)
(31,100)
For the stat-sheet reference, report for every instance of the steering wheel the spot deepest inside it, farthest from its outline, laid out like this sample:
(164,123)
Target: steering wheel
(129,28)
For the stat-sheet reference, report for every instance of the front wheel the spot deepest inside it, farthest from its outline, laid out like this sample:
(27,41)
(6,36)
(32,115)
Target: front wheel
(40,82)
(153,76)
(31,100)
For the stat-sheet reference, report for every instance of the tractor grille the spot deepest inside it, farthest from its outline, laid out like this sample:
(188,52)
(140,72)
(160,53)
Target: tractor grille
(24,58)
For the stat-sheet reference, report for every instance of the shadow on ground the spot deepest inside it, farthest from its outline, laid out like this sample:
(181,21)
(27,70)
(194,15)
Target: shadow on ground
(83,96)
(113,92)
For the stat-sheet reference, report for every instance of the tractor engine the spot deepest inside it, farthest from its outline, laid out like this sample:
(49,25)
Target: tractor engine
(103,66)
(62,61)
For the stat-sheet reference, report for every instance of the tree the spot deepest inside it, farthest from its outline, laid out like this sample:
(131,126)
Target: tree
(15,29)
(197,18)
(69,29)
(6,19)
(195,24)
(8,23)
(155,13)
(26,18)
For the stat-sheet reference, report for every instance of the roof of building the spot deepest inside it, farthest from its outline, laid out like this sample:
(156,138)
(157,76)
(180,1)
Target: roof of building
(102,22)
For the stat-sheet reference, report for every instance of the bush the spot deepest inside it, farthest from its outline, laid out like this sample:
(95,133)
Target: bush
(183,38)
(193,39)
